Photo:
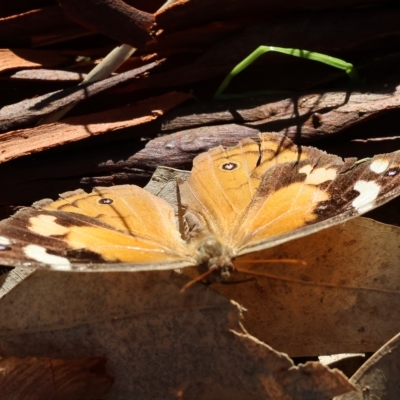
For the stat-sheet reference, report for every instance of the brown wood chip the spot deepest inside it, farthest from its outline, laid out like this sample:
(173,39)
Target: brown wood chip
(15,144)
(105,15)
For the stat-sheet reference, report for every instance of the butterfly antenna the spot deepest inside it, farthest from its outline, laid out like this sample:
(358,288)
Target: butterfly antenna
(198,278)
(278,260)
(258,273)
(255,273)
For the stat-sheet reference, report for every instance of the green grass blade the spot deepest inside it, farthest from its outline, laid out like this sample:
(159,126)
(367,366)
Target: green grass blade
(310,55)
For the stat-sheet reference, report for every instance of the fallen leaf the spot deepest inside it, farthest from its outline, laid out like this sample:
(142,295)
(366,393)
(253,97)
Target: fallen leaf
(159,342)
(346,299)
(53,379)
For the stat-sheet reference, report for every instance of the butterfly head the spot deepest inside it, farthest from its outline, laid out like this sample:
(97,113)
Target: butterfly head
(213,255)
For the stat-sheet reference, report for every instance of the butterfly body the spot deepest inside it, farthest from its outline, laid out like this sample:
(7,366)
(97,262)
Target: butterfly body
(246,198)
(214,257)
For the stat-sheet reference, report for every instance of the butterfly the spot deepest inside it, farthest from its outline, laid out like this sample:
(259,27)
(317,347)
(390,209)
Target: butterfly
(238,200)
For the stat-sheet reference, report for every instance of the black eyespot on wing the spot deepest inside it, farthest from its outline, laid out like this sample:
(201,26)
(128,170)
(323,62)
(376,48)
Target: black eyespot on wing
(106,201)
(229,166)
(392,171)
(4,247)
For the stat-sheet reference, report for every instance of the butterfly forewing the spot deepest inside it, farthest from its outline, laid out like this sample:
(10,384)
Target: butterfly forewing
(316,193)
(220,185)
(227,187)
(223,182)
(109,225)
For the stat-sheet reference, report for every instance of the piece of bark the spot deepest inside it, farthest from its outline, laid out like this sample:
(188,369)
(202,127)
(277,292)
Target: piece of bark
(195,40)
(27,58)
(113,18)
(54,379)
(32,140)
(304,117)
(159,342)
(43,26)
(323,115)
(150,6)
(32,110)
(48,75)
(178,149)
(378,378)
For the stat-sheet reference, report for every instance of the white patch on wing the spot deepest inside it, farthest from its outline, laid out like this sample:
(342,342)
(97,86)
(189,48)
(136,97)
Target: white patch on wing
(318,175)
(46,225)
(369,191)
(39,253)
(379,166)
(4,241)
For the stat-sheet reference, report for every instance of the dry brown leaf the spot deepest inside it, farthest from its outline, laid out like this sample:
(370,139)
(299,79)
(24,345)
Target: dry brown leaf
(378,378)
(347,298)
(159,343)
(53,379)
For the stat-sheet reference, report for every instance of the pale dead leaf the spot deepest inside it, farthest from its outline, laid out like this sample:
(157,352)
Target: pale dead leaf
(346,299)
(159,343)
(378,378)
(53,379)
